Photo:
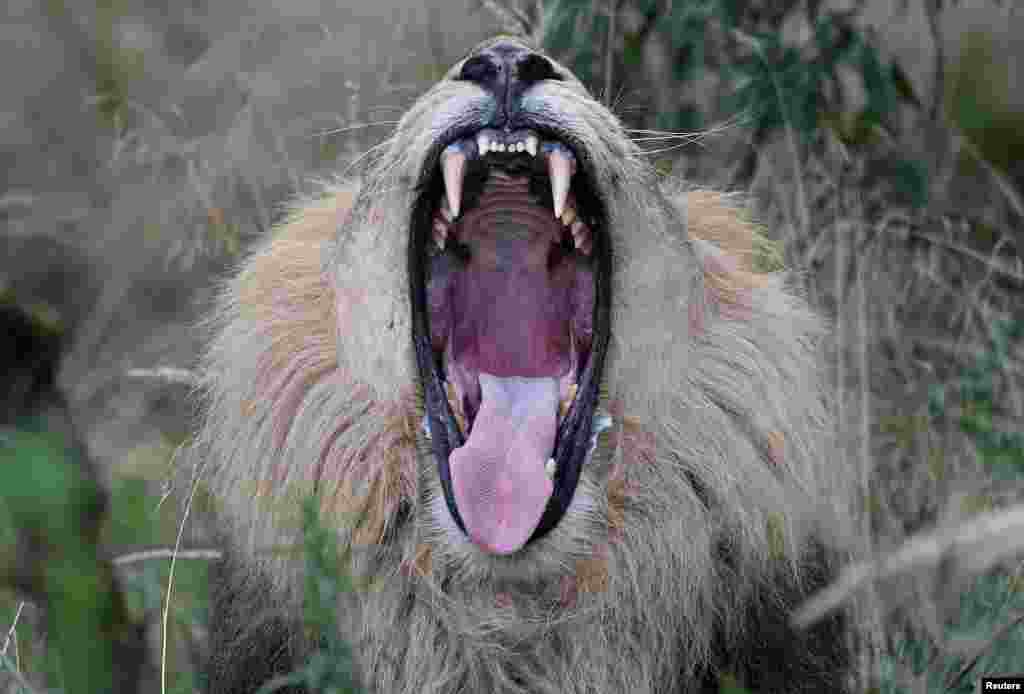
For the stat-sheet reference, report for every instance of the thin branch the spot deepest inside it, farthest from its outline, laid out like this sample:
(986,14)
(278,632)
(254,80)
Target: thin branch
(609,49)
(922,551)
(512,18)
(168,374)
(1012,195)
(973,659)
(931,10)
(170,575)
(794,150)
(10,632)
(16,674)
(994,264)
(168,553)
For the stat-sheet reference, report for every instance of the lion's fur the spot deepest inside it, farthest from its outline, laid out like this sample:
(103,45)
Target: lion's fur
(690,524)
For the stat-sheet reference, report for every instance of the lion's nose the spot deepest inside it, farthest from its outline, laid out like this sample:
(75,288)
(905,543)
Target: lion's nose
(506,69)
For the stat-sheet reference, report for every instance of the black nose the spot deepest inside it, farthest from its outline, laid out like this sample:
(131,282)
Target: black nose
(506,70)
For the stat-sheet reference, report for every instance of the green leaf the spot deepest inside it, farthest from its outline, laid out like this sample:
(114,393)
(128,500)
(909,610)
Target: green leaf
(901,83)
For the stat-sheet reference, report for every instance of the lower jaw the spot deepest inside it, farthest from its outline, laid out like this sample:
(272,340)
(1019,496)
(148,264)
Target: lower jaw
(601,422)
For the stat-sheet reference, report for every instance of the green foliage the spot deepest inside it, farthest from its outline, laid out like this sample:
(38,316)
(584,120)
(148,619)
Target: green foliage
(684,119)
(43,494)
(985,608)
(23,652)
(980,108)
(329,669)
(728,684)
(113,66)
(136,517)
(776,84)
(798,86)
(563,19)
(993,599)
(146,592)
(1002,450)
(47,503)
(768,254)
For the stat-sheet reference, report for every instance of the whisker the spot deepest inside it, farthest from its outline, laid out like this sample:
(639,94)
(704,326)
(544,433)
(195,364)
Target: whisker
(352,164)
(349,128)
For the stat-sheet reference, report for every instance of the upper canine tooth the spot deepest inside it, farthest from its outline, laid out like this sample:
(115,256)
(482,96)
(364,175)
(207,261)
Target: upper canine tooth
(453,168)
(531,145)
(482,143)
(559,171)
(549,468)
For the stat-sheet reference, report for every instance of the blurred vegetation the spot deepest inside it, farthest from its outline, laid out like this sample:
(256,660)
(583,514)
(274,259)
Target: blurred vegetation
(772,83)
(981,108)
(985,631)
(1000,448)
(51,513)
(330,667)
(43,494)
(44,499)
(872,170)
(978,636)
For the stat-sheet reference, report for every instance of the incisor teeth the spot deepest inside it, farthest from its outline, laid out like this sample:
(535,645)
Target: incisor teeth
(559,171)
(453,167)
(568,216)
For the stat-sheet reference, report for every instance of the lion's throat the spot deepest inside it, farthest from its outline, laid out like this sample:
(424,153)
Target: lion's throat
(498,476)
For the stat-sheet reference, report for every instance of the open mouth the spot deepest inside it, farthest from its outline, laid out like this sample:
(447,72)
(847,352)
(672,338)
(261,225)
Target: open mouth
(509,269)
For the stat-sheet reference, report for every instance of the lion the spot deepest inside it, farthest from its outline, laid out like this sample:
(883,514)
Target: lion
(570,439)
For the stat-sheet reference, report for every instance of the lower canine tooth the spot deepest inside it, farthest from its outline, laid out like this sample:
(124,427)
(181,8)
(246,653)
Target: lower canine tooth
(578,234)
(566,402)
(568,216)
(549,468)
(453,399)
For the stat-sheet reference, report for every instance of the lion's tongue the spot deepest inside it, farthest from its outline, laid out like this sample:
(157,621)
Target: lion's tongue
(498,476)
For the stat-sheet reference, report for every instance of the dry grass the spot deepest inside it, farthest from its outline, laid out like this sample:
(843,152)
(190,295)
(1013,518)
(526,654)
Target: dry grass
(915,295)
